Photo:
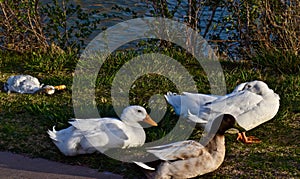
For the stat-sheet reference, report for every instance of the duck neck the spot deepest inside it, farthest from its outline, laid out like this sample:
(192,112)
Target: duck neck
(217,148)
(131,123)
(134,129)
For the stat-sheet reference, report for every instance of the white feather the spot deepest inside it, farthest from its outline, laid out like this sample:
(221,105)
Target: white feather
(251,103)
(26,84)
(101,134)
(144,166)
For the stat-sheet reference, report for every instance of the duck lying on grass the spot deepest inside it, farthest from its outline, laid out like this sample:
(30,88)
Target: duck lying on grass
(251,103)
(187,159)
(100,134)
(29,84)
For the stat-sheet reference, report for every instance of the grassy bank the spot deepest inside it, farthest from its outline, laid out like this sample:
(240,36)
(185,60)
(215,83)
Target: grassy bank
(24,119)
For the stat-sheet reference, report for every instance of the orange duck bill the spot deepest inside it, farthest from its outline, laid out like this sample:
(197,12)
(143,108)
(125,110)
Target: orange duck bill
(149,120)
(60,87)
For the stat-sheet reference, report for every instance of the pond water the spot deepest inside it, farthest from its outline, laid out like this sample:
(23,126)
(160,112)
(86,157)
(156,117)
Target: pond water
(113,15)
(143,8)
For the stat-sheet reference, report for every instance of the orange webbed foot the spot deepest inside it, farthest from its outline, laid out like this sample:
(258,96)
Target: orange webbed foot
(247,140)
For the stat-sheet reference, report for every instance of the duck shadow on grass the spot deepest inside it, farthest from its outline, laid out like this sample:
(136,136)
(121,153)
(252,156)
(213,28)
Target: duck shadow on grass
(2,87)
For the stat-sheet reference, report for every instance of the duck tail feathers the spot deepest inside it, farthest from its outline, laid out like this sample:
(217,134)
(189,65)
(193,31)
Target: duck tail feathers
(53,134)
(170,97)
(174,100)
(144,166)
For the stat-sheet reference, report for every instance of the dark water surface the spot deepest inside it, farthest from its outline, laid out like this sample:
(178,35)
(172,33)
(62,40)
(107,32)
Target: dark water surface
(110,16)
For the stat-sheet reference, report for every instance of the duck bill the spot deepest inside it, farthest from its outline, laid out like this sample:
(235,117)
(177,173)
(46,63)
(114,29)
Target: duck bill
(150,121)
(60,87)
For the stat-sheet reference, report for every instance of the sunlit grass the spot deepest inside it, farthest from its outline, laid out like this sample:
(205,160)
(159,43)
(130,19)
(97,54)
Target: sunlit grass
(24,119)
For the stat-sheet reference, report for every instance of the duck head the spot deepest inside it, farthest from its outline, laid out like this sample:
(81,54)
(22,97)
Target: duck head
(257,87)
(227,122)
(220,124)
(134,114)
(48,89)
(217,126)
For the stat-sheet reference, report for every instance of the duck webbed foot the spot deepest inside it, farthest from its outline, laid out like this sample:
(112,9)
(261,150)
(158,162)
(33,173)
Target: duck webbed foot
(247,140)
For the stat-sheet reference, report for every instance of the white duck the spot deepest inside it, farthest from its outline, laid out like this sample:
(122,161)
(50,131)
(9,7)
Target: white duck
(90,135)
(187,159)
(29,84)
(251,103)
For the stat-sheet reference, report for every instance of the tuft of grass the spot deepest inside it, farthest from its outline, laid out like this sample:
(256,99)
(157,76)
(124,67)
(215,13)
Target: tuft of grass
(24,119)
(278,61)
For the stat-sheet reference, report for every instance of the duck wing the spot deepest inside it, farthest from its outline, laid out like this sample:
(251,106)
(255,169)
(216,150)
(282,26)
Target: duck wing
(192,102)
(102,133)
(243,105)
(235,105)
(177,151)
(188,102)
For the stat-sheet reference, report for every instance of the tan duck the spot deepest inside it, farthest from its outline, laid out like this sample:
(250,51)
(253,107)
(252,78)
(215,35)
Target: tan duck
(187,159)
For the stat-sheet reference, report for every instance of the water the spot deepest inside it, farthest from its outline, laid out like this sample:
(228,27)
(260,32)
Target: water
(143,9)
(107,7)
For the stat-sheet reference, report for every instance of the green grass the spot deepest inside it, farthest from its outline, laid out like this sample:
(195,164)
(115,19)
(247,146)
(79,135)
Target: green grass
(24,119)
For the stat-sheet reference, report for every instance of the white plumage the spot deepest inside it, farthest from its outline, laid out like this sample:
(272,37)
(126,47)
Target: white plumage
(22,84)
(251,103)
(28,84)
(192,102)
(101,134)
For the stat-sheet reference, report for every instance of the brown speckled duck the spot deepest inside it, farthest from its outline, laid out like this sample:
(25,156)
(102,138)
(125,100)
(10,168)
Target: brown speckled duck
(188,159)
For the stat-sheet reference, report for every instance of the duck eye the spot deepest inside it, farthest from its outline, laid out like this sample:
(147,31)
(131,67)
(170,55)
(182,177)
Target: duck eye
(249,86)
(139,110)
